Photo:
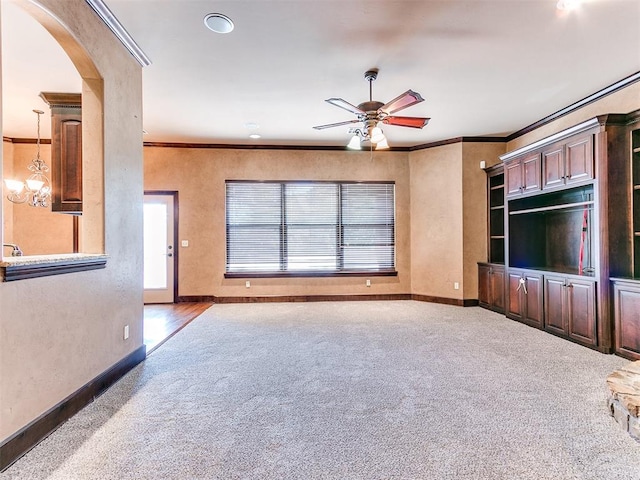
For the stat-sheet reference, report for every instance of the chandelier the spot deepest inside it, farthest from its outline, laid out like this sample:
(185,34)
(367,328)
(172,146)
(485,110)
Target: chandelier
(36,189)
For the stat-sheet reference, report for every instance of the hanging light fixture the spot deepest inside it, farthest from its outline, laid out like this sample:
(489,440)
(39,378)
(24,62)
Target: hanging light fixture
(376,135)
(354,143)
(370,133)
(36,189)
(382,144)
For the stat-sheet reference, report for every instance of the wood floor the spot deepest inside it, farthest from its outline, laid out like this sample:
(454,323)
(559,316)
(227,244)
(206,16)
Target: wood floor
(161,321)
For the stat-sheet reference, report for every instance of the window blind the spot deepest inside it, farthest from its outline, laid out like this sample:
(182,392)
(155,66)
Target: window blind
(307,227)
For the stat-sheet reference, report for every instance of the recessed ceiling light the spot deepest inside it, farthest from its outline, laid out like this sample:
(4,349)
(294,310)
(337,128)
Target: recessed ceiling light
(254,136)
(218,23)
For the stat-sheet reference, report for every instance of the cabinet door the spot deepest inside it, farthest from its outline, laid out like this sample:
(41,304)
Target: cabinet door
(514,303)
(533,296)
(579,163)
(553,167)
(581,312)
(555,304)
(531,173)
(497,288)
(67,162)
(627,316)
(484,285)
(513,177)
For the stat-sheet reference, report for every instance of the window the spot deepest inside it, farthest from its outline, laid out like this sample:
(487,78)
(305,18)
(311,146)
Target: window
(309,228)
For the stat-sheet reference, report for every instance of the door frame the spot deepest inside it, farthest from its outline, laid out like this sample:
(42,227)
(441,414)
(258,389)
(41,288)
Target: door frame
(174,194)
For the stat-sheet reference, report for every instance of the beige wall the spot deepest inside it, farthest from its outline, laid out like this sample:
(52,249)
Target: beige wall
(436,221)
(198,174)
(57,333)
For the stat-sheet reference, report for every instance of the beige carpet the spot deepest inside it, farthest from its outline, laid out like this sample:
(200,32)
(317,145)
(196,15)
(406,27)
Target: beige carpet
(351,390)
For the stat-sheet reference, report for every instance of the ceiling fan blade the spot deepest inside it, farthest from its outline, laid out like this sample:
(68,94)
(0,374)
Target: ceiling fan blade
(338,102)
(405,100)
(413,122)
(322,127)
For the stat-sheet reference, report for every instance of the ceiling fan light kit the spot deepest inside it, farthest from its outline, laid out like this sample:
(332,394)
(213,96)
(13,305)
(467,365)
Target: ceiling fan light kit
(372,113)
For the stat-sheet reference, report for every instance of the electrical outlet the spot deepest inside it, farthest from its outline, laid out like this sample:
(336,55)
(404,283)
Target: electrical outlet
(184,243)
(247,284)
(456,286)
(368,282)
(126,332)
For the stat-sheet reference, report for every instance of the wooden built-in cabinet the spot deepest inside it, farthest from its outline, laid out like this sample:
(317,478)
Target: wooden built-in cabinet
(569,307)
(491,274)
(626,300)
(635,197)
(491,286)
(626,290)
(495,214)
(571,235)
(572,221)
(66,151)
(525,297)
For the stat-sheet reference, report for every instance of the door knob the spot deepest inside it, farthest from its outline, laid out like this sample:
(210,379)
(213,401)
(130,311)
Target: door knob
(169,254)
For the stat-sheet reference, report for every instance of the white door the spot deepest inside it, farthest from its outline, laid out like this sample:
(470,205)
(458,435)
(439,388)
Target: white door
(159,249)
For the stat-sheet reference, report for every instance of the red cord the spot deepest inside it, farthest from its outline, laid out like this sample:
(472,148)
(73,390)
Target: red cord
(582,240)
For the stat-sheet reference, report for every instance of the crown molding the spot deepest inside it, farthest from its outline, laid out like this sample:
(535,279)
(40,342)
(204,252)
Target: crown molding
(119,31)
(264,147)
(556,137)
(450,141)
(619,85)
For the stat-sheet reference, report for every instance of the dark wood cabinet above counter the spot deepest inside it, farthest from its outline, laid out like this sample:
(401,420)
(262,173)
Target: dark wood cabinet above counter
(522,174)
(567,162)
(66,151)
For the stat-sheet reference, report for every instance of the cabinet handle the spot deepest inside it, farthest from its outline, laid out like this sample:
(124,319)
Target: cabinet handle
(522,283)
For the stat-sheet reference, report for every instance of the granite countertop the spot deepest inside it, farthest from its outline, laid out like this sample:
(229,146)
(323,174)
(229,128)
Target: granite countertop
(48,259)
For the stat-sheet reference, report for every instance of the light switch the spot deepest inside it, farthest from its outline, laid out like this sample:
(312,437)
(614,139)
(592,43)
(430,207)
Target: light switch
(184,243)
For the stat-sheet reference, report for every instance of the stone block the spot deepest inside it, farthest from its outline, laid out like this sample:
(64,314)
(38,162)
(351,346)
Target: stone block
(633,367)
(624,397)
(634,428)
(620,414)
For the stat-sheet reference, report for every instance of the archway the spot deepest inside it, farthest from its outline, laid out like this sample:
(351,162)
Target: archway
(24,223)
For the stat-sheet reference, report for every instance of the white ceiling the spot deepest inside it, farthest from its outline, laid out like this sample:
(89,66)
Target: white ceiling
(484,67)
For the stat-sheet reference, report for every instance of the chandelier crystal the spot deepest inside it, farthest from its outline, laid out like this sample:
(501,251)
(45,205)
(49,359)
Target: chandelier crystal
(36,189)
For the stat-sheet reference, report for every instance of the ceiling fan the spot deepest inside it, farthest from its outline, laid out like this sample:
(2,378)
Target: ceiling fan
(372,113)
